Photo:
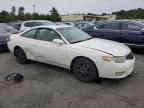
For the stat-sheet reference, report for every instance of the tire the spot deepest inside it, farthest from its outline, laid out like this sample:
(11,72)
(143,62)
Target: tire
(84,70)
(21,56)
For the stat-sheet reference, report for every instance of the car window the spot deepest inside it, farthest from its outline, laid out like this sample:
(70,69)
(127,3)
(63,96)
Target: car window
(29,24)
(47,23)
(30,34)
(130,26)
(101,26)
(109,25)
(74,35)
(7,27)
(2,30)
(37,24)
(47,35)
(86,25)
(44,23)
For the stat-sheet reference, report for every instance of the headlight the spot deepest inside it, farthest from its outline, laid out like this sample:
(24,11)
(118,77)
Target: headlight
(119,59)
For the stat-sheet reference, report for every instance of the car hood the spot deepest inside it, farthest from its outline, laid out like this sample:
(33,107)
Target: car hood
(107,46)
(13,31)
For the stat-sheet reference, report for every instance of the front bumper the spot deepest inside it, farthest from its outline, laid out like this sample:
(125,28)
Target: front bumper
(3,46)
(116,70)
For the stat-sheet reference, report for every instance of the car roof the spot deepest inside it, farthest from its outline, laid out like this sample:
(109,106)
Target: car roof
(3,24)
(37,21)
(53,26)
(134,21)
(123,21)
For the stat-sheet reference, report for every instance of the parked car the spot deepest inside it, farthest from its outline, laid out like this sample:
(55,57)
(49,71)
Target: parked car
(16,25)
(9,28)
(82,25)
(4,35)
(60,23)
(68,47)
(99,22)
(69,23)
(32,23)
(142,22)
(130,33)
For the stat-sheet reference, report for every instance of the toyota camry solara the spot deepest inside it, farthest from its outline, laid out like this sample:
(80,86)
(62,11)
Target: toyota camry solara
(68,47)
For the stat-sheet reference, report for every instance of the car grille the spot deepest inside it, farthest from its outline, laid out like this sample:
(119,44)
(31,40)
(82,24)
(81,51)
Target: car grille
(130,56)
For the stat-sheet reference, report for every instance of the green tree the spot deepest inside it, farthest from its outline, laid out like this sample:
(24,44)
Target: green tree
(21,13)
(4,16)
(13,14)
(104,14)
(48,17)
(130,14)
(13,10)
(8,17)
(42,17)
(55,16)
(28,16)
(36,16)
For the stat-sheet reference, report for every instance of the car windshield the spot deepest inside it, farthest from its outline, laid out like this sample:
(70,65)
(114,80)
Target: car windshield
(7,27)
(2,30)
(74,35)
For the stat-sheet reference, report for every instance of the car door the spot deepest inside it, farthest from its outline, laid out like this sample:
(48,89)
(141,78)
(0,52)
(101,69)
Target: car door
(109,30)
(48,51)
(132,34)
(27,42)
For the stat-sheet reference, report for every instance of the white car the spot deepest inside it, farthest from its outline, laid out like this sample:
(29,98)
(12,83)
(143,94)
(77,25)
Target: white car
(33,23)
(68,47)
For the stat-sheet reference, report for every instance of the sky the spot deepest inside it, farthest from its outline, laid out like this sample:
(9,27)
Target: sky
(73,6)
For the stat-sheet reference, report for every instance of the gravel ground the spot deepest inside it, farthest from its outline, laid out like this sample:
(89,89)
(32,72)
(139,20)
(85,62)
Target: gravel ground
(47,86)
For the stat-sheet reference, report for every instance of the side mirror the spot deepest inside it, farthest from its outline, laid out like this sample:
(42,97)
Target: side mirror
(58,41)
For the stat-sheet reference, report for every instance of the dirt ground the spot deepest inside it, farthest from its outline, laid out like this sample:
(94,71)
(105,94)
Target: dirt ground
(46,86)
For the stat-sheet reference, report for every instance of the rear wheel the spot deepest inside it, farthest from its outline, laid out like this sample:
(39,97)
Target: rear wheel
(85,70)
(21,56)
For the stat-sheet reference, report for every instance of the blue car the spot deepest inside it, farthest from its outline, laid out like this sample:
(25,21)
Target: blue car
(130,33)
(82,25)
(4,36)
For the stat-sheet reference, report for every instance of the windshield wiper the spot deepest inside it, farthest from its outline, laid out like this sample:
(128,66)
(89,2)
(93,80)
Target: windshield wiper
(77,41)
(81,40)
(88,39)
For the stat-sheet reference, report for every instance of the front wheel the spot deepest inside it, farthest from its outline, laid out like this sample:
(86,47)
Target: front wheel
(85,70)
(21,56)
